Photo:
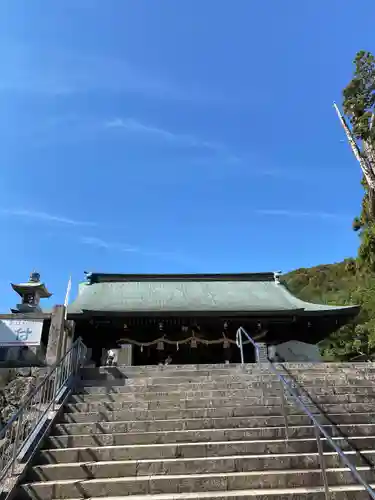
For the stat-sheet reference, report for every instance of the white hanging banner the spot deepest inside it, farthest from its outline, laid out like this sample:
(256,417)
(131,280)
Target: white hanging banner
(14,332)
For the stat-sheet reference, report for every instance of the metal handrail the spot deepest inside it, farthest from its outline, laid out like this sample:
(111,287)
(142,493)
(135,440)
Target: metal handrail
(318,428)
(26,424)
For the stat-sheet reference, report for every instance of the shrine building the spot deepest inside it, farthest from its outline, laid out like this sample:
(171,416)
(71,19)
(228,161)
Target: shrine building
(193,318)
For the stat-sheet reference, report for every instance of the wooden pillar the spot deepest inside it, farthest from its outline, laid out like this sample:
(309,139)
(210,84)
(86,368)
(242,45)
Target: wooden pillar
(55,335)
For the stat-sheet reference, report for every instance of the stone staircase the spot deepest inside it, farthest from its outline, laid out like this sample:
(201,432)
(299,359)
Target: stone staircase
(206,432)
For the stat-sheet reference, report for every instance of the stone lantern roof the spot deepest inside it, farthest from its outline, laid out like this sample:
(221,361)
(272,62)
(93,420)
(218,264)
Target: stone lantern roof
(31,292)
(33,284)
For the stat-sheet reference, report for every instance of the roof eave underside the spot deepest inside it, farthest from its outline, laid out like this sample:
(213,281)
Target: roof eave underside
(350,311)
(23,288)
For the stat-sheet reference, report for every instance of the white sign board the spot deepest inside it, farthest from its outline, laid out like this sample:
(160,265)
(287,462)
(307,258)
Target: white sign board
(299,351)
(16,333)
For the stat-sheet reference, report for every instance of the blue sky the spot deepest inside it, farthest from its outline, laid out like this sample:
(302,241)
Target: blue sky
(174,136)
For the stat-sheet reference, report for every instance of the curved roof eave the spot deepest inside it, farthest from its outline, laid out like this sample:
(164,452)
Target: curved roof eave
(246,297)
(311,307)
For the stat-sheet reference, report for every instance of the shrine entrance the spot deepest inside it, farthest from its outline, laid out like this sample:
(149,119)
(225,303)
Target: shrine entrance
(186,354)
(153,342)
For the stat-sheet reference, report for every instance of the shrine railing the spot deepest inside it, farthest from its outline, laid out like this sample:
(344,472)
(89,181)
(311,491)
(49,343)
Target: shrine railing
(298,401)
(25,429)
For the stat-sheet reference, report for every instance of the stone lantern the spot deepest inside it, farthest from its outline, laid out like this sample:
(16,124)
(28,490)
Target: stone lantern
(30,292)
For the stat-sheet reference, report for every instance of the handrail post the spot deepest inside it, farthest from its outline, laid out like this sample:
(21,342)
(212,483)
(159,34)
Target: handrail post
(16,439)
(79,356)
(262,387)
(55,387)
(240,344)
(322,463)
(284,411)
(78,361)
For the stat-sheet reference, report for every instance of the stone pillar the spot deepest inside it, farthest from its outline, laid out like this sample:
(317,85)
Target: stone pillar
(70,337)
(55,335)
(67,337)
(272,352)
(262,355)
(32,356)
(64,341)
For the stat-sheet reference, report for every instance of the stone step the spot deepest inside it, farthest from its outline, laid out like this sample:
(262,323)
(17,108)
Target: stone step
(211,366)
(204,423)
(119,373)
(140,389)
(242,392)
(172,370)
(271,390)
(266,372)
(260,433)
(106,415)
(228,401)
(114,468)
(165,380)
(303,377)
(154,484)
(223,383)
(195,450)
(167,405)
(348,492)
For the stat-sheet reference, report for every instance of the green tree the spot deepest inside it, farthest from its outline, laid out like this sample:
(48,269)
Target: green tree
(341,284)
(359,106)
(359,96)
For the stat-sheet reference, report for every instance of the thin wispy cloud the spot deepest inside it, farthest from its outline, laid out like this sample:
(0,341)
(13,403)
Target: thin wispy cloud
(43,216)
(132,126)
(302,214)
(216,152)
(126,248)
(99,243)
(58,72)
(62,72)
(92,240)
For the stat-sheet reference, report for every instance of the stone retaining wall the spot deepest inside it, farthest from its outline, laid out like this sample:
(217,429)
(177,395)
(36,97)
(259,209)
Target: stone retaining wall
(16,384)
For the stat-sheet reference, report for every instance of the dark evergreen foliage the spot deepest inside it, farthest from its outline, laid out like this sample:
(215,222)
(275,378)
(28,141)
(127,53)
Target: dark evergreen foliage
(343,283)
(353,280)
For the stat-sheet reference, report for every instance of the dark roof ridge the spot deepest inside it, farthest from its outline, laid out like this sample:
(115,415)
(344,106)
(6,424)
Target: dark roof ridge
(108,277)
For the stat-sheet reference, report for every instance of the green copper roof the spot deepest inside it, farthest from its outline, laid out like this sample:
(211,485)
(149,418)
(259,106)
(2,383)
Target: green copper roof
(247,293)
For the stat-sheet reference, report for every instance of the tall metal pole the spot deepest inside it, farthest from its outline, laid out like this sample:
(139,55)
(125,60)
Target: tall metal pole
(66,301)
